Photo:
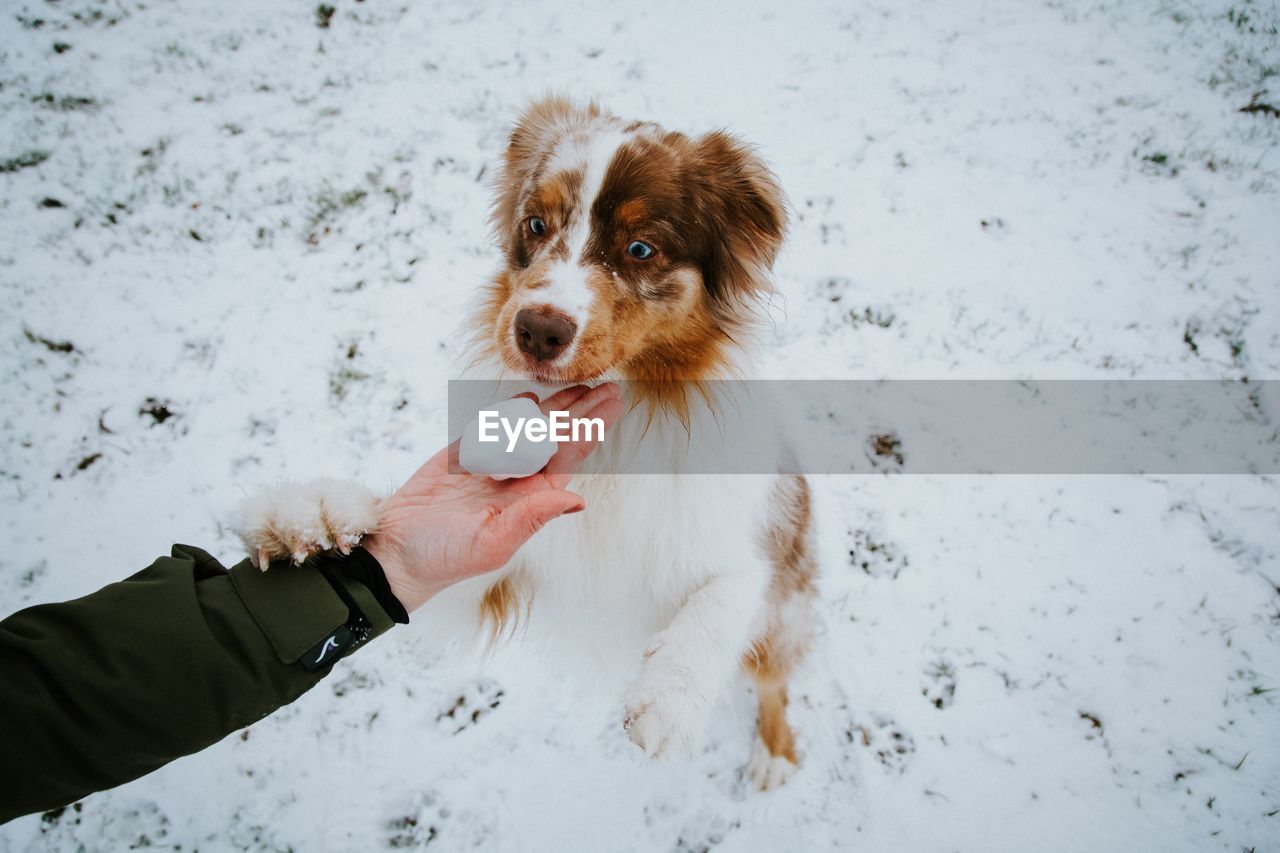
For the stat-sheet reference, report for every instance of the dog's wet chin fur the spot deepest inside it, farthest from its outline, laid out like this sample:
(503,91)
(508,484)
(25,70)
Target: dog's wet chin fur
(578,300)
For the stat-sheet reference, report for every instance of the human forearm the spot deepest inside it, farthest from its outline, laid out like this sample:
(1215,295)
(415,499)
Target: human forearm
(106,688)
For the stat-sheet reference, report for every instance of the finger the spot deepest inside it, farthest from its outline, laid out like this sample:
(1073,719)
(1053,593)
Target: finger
(528,395)
(510,528)
(562,399)
(570,455)
(590,398)
(583,402)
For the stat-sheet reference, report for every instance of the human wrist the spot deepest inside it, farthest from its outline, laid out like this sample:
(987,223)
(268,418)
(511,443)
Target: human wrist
(410,592)
(363,568)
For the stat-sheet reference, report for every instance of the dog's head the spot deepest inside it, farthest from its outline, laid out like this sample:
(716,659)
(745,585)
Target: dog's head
(630,250)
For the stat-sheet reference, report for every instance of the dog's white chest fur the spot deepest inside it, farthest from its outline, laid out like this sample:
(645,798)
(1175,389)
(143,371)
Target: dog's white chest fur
(601,584)
(645,544)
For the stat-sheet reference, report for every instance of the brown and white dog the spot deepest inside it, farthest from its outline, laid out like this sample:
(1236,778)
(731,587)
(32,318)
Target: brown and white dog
(639,254)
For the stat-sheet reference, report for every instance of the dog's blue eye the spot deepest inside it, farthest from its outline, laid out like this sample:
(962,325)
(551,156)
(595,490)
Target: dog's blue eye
(537,226)
(641,251)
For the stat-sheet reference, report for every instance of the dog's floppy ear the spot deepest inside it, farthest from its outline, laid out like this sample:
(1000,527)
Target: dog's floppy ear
(541,126)
(740,203)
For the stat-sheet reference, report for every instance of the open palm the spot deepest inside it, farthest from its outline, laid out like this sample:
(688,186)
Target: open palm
(442,527)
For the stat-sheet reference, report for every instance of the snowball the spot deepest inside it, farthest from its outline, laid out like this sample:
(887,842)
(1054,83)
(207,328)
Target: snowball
(525,457)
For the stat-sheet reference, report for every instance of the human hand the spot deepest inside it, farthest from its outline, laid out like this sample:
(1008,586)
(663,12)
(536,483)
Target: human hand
(440,528)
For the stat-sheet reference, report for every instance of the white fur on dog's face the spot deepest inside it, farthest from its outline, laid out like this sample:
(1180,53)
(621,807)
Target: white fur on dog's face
(566,273)
(631,250)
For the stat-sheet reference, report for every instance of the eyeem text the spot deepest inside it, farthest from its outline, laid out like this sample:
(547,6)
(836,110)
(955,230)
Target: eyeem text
(557,427)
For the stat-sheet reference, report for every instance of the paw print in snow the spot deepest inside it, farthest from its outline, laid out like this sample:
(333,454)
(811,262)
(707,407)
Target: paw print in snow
(705,834)
(419,828)
(475,702)
(873,556)
(940,683)
(891,746)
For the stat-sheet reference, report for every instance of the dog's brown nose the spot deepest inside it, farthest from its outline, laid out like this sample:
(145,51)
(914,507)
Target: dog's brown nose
(542,334)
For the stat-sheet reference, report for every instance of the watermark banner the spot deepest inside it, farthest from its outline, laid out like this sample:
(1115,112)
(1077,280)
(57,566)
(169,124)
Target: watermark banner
(920,426)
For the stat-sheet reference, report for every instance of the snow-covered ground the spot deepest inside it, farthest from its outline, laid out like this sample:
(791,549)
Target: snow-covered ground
(237,238)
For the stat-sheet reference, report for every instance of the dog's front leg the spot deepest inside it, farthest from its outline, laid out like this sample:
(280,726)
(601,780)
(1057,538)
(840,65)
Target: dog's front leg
(688,662)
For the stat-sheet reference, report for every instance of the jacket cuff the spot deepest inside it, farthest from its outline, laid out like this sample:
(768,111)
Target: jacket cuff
(307,613)
(363,567)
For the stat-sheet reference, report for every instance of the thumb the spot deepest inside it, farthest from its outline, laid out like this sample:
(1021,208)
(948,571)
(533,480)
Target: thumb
(509,529)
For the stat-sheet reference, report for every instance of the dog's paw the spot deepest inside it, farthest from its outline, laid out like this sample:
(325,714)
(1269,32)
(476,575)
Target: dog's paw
(665,727)
(666,713)
(766,771)
(296,520)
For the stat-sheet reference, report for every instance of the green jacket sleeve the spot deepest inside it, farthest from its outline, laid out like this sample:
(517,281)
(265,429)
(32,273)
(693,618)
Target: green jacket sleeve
(106,688)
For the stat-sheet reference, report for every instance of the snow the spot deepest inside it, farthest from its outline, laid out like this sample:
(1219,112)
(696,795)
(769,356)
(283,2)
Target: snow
(269,232)
(507,450)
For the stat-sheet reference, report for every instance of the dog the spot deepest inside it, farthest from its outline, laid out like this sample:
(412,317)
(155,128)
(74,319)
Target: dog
(639,254)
